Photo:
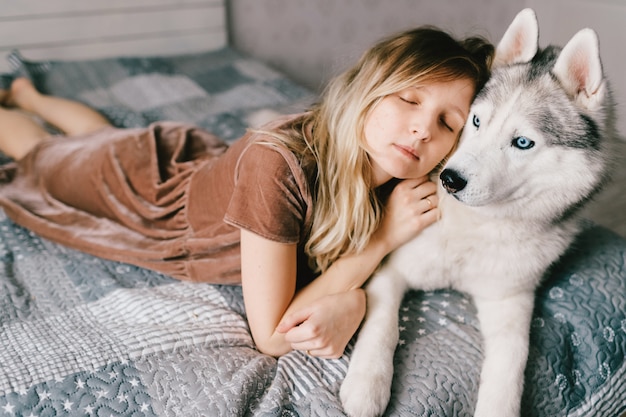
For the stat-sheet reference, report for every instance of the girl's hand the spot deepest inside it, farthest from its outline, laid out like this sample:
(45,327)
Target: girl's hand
(325,327)
(411,207)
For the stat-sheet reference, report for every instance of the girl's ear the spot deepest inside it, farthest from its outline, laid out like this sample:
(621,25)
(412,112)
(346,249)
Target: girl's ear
(579,69)
(520,41)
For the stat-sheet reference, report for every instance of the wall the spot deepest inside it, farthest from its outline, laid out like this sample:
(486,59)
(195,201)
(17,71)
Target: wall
(78,29)
(312,40)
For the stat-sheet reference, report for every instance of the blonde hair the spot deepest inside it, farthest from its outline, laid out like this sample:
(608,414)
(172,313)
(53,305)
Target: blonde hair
(347,210)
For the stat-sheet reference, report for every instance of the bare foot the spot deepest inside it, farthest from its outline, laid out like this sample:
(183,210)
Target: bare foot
(17,96)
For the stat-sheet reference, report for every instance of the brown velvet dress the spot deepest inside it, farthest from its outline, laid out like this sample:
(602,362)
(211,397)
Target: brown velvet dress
(169,197)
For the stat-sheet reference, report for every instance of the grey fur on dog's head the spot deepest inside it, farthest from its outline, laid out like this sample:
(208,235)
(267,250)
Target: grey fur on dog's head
(539,135)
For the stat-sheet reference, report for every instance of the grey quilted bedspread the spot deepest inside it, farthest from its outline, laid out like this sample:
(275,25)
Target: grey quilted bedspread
(82,336)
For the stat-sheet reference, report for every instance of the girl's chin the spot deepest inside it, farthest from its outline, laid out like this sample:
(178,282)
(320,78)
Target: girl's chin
(404,174)
(395,169)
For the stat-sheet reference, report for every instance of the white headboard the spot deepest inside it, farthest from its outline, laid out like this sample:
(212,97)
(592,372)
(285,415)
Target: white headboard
(82,29)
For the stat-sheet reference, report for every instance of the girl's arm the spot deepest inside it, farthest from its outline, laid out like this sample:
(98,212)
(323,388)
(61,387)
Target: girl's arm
(268,283)
(323,316)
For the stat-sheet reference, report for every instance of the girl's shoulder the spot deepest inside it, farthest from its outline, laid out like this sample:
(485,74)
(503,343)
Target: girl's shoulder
(269,176)
(285,134)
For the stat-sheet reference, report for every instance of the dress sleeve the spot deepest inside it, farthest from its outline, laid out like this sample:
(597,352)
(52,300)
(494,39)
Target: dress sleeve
(267,199)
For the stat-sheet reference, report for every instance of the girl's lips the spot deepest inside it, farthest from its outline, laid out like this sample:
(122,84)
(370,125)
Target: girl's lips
(408,151)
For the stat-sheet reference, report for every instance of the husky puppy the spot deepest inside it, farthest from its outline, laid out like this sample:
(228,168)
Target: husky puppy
(533,150)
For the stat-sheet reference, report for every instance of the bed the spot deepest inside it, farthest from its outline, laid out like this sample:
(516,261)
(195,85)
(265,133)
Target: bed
(85,336)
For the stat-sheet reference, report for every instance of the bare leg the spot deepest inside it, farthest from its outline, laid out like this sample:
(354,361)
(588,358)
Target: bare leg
(71,117)
(19,133)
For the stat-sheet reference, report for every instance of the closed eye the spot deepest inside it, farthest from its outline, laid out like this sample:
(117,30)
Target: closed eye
(406,100)
(446,125)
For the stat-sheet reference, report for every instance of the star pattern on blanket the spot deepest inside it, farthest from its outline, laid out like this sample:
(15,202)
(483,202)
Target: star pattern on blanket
(115,389)
(432,312)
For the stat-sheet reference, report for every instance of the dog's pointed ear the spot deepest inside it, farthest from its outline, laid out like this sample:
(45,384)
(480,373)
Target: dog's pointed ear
(520,41)
(579,69)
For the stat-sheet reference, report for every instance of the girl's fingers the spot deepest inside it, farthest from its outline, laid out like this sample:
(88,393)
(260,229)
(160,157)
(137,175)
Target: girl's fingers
(293,320)
(431,201)
(298,336)
(429,217)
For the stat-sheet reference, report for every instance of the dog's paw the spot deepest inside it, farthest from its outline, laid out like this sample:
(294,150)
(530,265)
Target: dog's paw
(365,394)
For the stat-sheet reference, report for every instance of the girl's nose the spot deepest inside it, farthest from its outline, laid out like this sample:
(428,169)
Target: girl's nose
(421,128)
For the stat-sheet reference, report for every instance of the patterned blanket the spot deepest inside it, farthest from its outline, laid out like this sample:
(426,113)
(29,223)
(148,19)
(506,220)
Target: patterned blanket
(82,336)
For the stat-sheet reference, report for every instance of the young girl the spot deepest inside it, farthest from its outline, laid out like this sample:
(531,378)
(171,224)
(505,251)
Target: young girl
(299,213)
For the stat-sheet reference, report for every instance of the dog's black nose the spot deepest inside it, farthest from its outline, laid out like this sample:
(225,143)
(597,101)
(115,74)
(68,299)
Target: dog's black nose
(452,181)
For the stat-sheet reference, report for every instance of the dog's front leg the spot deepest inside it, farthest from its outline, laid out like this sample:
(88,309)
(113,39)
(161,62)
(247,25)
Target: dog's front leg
(505,326)
(366,390)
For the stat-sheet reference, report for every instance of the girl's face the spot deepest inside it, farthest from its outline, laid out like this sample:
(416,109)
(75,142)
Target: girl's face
(408,133)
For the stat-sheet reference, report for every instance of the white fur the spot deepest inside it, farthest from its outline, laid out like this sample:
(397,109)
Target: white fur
(517,43)
(496,237)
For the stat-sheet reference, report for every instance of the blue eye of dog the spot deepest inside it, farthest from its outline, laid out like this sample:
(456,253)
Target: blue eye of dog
(476,121)
(522,142)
